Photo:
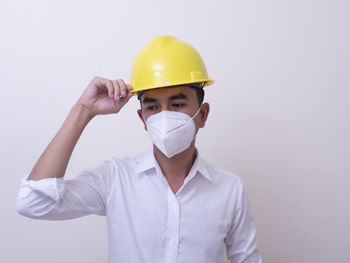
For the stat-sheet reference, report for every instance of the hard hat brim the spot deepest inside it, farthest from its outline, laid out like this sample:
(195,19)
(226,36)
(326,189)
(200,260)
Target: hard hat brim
(207,82)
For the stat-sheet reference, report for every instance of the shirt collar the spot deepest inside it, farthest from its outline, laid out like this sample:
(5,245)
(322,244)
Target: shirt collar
(202,167)
(148,161)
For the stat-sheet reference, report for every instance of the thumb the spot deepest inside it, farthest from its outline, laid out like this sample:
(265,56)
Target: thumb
(124,100)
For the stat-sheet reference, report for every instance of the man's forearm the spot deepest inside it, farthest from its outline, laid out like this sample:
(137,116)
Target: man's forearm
(54,160)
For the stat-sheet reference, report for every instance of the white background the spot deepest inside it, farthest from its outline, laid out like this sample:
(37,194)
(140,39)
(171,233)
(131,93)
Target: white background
(279,118)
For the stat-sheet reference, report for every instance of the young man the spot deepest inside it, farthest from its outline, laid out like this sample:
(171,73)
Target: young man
(168,205)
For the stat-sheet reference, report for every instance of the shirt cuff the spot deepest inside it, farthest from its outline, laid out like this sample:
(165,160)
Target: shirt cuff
(53,188)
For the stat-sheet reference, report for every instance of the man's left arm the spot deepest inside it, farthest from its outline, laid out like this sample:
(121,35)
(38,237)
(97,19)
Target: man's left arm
(241,243)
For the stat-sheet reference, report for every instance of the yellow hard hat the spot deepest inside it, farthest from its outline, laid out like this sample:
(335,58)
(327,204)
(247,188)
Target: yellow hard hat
(167,61)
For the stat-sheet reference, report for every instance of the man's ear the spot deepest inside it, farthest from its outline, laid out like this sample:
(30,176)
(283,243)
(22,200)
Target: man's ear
(139,112)
(204,112)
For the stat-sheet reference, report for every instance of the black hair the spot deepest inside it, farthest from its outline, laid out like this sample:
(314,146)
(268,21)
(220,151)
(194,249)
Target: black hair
(198,87)
(200,95)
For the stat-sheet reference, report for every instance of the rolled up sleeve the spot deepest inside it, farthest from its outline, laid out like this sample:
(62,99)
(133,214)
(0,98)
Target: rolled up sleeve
(60,199)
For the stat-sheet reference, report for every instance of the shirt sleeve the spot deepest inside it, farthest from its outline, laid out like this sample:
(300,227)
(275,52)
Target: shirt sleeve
(241,243)
(59,199)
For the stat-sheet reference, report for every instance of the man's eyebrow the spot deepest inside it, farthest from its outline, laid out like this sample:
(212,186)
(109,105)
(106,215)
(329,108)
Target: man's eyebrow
(178,96)
(174,97)
(148,100)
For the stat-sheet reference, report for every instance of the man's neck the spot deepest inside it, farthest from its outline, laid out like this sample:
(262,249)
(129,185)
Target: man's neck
(176,168)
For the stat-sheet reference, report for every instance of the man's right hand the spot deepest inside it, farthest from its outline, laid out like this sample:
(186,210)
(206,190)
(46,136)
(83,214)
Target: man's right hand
(104,96)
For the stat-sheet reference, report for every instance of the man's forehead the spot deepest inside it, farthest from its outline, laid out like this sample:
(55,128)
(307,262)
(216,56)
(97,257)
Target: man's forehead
(168,92)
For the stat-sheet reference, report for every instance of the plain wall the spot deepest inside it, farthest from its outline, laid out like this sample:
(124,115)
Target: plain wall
(279,112)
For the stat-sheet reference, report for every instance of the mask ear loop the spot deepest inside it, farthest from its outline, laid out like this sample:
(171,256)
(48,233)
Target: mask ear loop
(186,121)
(196,112)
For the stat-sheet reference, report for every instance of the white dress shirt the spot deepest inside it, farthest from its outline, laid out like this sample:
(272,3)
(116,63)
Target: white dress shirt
(147,222)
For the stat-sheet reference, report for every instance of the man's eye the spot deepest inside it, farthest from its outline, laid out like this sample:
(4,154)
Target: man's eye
(151,108)
(178,105)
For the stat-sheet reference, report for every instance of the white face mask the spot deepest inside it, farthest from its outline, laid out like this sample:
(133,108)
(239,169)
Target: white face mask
(172,132)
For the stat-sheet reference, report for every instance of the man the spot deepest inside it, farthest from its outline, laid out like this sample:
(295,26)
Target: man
(165,206)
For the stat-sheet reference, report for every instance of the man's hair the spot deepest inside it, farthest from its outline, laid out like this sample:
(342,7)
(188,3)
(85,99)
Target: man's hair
(200,94)
(198,87)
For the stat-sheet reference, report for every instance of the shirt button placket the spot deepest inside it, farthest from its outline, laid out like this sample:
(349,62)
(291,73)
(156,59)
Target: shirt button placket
(173,228)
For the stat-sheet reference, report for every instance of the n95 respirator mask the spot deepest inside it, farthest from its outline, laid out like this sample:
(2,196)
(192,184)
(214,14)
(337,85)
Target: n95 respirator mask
(172,132)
